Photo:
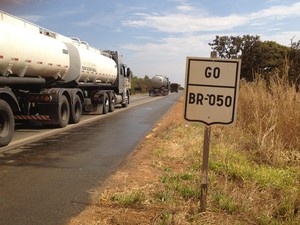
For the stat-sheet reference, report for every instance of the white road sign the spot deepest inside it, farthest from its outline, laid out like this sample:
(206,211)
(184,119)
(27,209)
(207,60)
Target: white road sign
(211,90)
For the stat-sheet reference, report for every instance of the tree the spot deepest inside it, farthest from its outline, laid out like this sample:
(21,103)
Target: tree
(140,85)
(233,47)
(257,56)
(294,63)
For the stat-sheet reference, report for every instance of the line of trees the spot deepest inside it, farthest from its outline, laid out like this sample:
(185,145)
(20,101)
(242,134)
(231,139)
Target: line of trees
(140,85)
(260,57)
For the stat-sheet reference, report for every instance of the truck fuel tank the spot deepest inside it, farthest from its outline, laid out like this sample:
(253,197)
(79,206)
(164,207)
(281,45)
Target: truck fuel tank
(159,81)
(27,53)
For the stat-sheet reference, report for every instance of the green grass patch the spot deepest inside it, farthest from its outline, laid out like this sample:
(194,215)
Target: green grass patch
(164,196)
(225,203)
(179,186)
(238,167)
(131,198)
(158,152)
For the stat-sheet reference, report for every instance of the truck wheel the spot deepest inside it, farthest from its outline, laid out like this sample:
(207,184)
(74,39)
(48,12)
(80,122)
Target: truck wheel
(76,110)
(105,104)
(7,123)
(63,111)
(125,104)
(112,102)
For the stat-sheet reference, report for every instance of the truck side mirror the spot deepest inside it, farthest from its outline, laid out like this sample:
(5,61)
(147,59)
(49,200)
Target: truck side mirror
(128,72)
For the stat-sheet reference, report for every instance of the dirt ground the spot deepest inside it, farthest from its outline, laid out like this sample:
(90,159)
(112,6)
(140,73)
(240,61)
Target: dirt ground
(135,173)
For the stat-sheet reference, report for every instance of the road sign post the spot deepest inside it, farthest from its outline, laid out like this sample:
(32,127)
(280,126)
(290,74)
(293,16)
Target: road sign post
(204,180)
(211,91)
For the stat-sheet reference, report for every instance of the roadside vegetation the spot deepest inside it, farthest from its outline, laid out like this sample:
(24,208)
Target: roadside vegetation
(140,85)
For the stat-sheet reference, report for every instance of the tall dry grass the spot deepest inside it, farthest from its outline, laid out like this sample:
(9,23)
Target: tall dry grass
(269,121)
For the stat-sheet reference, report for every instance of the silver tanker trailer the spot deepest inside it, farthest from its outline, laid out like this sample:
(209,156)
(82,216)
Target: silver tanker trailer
(160,85)
(47,77)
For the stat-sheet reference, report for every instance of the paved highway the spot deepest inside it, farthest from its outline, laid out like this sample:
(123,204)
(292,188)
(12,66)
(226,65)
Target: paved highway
(49,180)
(26,133)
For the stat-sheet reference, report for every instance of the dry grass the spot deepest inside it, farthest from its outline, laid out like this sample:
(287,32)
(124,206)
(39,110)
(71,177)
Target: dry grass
(269,121)
(254,170)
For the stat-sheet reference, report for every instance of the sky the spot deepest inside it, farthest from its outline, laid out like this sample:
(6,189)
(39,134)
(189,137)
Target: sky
(156,36)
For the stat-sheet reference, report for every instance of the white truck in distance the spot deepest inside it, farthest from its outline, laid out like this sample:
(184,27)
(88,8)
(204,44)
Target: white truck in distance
(47,77)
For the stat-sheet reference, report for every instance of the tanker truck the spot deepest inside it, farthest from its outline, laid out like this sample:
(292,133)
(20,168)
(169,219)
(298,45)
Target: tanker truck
(160,85)
(54,79)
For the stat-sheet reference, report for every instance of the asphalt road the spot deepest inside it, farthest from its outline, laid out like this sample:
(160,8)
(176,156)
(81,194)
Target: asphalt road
(26,133)
(51,180)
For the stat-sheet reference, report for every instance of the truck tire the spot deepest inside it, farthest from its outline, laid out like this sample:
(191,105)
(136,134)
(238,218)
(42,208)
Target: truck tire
(63,111)
(125,104)
(76,110)
(7,123)
(112,102)
(105,104)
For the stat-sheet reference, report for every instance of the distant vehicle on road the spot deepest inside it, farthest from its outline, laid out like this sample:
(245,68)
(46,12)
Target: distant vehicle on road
(174,87)
(160,86)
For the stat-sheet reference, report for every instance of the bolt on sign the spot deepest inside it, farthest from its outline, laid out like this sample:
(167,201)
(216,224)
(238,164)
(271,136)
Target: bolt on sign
(211,90)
